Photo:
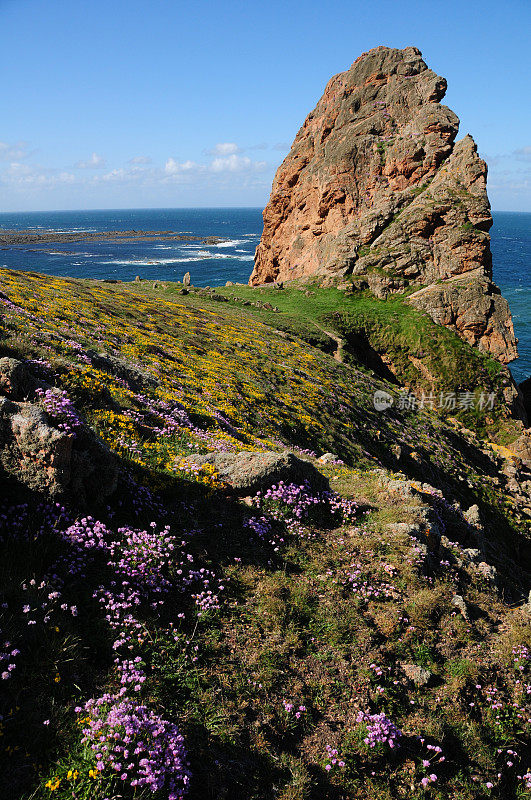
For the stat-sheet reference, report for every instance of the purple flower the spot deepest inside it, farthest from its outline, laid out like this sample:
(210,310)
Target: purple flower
(57,404)
(380,729)
(117,728)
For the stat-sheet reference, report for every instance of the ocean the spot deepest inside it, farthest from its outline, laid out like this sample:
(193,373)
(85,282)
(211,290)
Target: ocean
(511,259)
(232,259)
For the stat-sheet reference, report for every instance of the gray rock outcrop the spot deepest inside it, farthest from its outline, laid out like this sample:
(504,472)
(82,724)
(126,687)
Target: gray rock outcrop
(248,472)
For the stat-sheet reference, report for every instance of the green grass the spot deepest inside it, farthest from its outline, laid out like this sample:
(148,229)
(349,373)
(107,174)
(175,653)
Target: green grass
(371,328)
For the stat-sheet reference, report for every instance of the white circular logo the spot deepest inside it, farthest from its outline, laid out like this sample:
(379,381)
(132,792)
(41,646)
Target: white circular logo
(382,400)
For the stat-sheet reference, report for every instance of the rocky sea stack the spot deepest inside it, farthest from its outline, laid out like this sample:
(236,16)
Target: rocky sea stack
(376,189)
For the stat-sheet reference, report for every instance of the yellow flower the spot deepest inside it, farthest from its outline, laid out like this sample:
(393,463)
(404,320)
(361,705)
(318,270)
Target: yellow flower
(53,783)
(93,773)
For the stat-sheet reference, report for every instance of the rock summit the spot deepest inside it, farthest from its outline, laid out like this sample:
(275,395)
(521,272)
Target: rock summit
(376,187)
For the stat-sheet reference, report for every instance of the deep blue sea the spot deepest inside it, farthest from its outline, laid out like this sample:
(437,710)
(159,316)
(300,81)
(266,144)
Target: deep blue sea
(232,259)
(511,258)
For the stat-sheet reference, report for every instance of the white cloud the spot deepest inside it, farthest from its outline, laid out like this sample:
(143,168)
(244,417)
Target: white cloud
(136,175)
(513,182)
(65,177)
(228,169)
(94,162)
(224,149)
(173,167)
(140,160)
(20,175)
(113,175)
(236,163)
(521,154)
(13,152)
(16,169)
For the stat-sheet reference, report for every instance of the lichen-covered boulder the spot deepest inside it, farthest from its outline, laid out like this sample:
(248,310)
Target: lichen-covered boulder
(133,374)
(31,449)
(46,459)
(473,307)
(248,472)
(16,380)
(522,446)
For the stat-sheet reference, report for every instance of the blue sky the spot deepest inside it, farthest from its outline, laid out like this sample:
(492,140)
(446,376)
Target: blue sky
(164,103)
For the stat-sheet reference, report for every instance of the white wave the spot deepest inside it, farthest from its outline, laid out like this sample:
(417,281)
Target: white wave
(230,243)
(204,256)
(214,256)
(68,230)
(136,262)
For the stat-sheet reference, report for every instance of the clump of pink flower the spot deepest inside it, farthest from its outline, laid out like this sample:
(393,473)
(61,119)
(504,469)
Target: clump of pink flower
(380,729)
(292,709)
(137,745)
(294,504)
(333,758)
(58,405)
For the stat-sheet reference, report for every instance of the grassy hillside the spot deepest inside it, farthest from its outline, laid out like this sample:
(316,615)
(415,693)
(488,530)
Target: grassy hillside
(387,337)
(280,636)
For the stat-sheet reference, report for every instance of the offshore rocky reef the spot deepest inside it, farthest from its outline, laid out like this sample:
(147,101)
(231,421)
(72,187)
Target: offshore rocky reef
(272,541)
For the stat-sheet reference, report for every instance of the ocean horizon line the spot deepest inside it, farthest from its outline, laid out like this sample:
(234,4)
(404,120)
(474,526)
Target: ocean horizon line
(178,208)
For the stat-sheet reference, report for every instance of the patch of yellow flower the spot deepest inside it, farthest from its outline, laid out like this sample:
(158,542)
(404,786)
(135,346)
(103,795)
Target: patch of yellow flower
(207,474)
(268,389)
(502,451)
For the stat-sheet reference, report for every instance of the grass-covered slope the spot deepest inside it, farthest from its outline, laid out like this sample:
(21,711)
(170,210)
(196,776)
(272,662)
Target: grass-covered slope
(388,337)
(283,640)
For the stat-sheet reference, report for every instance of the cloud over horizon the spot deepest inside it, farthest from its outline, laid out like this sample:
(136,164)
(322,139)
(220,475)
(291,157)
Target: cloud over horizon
(13,152)
(140,160)
(20,175)
(94,162)
(174,167)
(223,149)
(235,163)
(225,167)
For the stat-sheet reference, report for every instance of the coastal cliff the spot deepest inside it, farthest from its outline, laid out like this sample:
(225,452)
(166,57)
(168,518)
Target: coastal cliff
(375,193)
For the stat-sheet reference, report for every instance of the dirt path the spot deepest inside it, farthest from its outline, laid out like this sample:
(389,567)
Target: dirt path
(338,354)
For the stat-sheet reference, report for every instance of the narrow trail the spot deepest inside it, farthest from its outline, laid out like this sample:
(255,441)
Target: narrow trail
(338,354)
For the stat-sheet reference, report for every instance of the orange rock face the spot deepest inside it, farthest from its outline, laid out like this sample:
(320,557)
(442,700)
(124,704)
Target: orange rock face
(375,187)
